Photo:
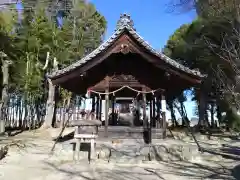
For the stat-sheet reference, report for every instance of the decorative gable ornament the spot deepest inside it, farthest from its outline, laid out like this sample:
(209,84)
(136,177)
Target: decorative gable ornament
(125,48)
(125,20)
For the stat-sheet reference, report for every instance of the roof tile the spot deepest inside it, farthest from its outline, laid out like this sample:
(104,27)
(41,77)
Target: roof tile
(109,42)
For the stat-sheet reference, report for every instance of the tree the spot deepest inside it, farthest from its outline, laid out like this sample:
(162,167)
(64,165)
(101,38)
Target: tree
(80,33)
(208,8)
(7,34)
(209,45)
(39,41)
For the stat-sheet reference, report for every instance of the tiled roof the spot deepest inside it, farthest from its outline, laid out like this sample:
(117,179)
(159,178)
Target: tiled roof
(120,29)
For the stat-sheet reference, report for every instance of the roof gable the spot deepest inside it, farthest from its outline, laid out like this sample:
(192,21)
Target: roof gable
(124,25)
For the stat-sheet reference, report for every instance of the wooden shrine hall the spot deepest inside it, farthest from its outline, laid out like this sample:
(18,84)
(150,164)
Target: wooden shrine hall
(127,66)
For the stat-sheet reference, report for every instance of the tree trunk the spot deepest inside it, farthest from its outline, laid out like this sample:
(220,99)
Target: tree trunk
(212,115)
(219,114)
(3,103)
(182,114)
(202,110)
(62,121)
(50,106)
(173,117)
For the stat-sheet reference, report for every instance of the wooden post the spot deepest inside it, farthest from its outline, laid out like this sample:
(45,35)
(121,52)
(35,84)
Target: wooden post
(92,146)
(146,128)
(164,109)
(144,110)
(138,111)
(93,107)
(159,112)
(113,116)
(154,112)
(150,121)
(106,104)
(151,112)
(100,109)
(97,108)
(93,103)
(106,111)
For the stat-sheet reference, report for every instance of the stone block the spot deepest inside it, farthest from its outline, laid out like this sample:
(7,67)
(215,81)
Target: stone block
(2,127)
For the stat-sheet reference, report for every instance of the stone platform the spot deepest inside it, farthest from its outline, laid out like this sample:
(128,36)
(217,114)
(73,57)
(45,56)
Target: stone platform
(135,151)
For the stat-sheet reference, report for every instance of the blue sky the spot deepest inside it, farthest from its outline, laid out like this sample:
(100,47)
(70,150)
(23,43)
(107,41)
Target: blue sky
(150,17)
(151,20)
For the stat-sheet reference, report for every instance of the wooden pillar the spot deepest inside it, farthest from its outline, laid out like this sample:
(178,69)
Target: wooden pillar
(93,104)
(106,111)
(146,128)
(100,109)
(150,121)
(154,112)
(113,113)
(151,112)
(159,112)
(138,111)
(97,108)
(164,109)
(144,110)
(93,107)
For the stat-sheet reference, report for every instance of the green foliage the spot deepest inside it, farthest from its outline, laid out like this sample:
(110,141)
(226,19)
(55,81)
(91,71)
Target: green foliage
(211,44)
(8,21)
(28,42)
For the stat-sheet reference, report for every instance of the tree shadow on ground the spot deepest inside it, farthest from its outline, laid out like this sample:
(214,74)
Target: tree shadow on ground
(236,172)
(101,173)
(197,170)
(162,169)
(65,138)
(221,135)
(231,150)
(177,170)
(228,153)
(17,130)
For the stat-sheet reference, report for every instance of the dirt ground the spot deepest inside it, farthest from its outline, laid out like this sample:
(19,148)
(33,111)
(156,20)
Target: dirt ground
(29,158)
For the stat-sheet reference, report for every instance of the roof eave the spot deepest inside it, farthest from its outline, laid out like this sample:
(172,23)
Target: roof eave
(110,41)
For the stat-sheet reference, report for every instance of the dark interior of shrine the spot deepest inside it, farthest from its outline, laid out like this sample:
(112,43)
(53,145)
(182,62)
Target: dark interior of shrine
(148,74)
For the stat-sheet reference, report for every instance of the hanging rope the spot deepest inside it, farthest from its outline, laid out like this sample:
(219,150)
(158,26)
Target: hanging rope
(113,92)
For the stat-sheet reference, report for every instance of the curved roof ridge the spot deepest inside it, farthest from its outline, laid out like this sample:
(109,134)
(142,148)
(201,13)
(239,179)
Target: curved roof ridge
(109,42)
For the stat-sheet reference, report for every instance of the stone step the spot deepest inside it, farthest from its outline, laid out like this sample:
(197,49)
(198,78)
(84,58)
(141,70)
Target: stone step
(155,152)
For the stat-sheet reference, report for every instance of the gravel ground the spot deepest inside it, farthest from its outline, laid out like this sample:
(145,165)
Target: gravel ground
(31,160)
